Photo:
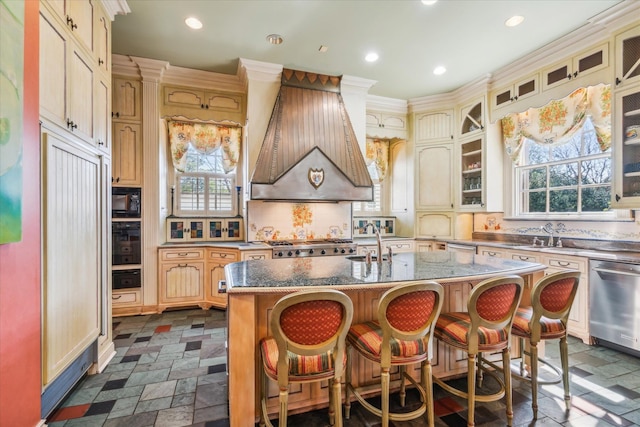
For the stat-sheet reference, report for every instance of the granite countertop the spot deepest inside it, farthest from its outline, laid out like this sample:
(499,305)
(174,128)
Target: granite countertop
(239,245)
(264,276)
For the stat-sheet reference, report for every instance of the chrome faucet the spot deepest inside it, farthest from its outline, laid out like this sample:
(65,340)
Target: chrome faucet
(548,228)
(378,239)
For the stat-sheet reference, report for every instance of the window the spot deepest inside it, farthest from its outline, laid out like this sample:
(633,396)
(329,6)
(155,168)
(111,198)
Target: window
(572,178)
(204,188)
(374,206)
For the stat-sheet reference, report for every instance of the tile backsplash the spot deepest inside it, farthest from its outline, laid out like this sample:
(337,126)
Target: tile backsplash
(298,221)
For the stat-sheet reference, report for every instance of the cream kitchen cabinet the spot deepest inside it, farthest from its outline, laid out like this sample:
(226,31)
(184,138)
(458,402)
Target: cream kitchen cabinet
(102,40)
(627,54)
(126,302)
(77,16)
(434,186)
(578,323)
(434,126)
(626,148)
(399,246)
(102,115)
(126,100)
(203,104)
(434,225)
(518,91)
(67,86)
(186,229)
(491,251)
(216,280)
(386,125)
(255,255)
(219,229)
(181,278)
(472,118)
(401,177)
(127,154)
(576,67)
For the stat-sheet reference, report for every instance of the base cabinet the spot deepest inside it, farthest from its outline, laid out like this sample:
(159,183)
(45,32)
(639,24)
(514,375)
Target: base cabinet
(216,282)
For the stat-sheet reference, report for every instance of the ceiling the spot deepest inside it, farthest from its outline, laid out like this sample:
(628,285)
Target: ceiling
(468,37)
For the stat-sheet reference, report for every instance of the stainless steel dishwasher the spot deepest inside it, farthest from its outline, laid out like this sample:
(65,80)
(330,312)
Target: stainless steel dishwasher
(614,304)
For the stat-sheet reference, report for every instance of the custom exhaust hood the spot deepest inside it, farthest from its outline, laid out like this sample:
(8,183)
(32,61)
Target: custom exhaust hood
(310,151)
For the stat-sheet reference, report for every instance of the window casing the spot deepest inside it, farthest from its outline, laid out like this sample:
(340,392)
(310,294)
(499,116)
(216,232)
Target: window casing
(375,206)
(571,179)
(204,189)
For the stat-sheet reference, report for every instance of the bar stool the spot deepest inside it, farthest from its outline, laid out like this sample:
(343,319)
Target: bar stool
(485,326)
(307,345)
(546,318)
(402,335)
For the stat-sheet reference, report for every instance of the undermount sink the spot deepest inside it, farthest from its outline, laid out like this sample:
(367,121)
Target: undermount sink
(363,258)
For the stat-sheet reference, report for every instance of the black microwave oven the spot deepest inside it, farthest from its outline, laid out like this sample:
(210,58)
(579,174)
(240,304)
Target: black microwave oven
(125,202)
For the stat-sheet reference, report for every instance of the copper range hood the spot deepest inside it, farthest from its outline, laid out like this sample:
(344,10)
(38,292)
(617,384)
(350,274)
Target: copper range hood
(310,151)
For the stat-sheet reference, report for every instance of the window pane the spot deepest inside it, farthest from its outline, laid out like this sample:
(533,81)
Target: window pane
(563,175)
(537,201)
(191,193)
(220,194)
(200,162)
(536,153)
(596,171)
(570,150)
(563,201)
(535,178)
(596,199)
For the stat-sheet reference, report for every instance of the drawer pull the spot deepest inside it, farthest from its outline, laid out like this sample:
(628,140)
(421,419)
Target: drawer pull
(492,253)
(524,258)
(223,255)
(183,254)
(116,296)
(564,263)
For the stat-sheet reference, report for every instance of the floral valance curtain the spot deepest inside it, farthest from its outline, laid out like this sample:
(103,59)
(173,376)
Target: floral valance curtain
(205,138)
(377,152)
(558,121)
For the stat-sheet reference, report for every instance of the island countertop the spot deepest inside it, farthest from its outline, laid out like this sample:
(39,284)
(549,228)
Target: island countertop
(268,276)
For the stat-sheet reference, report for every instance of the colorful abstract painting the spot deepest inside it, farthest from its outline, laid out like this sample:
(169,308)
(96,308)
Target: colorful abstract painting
(11,83)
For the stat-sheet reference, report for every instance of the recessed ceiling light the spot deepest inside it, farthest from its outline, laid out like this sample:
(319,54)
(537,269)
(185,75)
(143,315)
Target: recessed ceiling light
(371,57)
(193,22)
(323,49)
(429,2)
(275,39)
(439,70)
(514,20)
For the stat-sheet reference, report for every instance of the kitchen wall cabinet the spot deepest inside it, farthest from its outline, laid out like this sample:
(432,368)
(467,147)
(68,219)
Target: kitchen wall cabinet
(386,226)
(203,104)
(472,118)
(518,91)
(216,281)
(627,57)
(434,186)
(102,40)
(626,148)
(386,125)
(102,115)
(77,16)
(219,229)
(578,66)
(186,229)
(433,126)
(126,100)
(127,155)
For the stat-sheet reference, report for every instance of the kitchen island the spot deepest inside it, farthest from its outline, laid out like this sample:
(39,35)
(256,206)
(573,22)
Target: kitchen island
(255,286)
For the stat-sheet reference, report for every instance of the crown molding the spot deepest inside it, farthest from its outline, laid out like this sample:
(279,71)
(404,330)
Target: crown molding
(116,7)
(391,105)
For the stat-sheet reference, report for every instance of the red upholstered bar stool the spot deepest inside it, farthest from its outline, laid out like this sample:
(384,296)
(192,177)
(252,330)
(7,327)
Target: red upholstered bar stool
(307,345)
(546,318)
(402,335)
(484,327)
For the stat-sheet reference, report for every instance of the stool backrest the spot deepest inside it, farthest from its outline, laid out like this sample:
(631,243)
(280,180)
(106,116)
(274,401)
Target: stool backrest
(492,305)
(552,297)
(312,322)
(408,312)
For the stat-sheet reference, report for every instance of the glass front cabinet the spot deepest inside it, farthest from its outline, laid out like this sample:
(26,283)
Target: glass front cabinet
(204,229)
(627,148)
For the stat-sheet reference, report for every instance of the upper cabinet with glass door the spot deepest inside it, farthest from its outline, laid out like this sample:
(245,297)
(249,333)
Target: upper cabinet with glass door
(627,51)
(626,135)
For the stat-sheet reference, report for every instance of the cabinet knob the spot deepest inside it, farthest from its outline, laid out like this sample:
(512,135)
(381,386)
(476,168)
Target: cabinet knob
(71,125)
(100,142)
(575,74)
(618,81)
(70,23)
(100,61)
(617,197)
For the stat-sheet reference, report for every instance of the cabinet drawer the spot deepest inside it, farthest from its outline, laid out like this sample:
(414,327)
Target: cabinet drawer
(128,297)
(567,264)
(185,254)
(491,252)
(255,255)
(401,246)
(219,255)
(524,257)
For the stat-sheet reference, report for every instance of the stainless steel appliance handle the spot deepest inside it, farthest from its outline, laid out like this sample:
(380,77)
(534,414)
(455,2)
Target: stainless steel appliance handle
(623,273)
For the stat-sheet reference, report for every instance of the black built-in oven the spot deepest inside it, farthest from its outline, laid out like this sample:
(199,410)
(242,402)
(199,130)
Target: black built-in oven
(124,279)
(126,243)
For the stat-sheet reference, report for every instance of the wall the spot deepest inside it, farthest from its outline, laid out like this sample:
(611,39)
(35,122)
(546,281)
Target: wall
(20,265)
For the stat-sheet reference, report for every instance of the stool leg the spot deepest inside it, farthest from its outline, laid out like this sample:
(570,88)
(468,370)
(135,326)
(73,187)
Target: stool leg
(403,390)
(564,359)
(506,366)
(471,389)
(336,403)
(534,379)
(384,381)
(427,383)
(347,391)
(479,371)
(284,403)
(263,396)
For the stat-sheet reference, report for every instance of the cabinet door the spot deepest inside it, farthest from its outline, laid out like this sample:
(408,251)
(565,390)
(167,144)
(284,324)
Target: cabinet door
(434,224)
(180,230)
(627,49)
(80,20)
(386,125)
(434,126)
(217,259)
(471,179)
(102,133)
(183,97)
(626,151)
(472,117)
(516,92)
(80,83)
(224,229)
(126,100)
(400,186)
(53,59)
(434,186)
(127,154)
(579,66)
(181,283)
(102,43)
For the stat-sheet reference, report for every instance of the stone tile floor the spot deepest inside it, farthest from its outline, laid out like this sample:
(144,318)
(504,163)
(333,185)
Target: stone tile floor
(169,371)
